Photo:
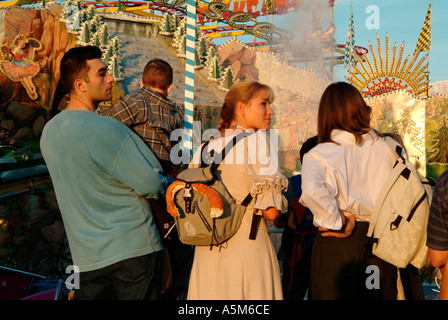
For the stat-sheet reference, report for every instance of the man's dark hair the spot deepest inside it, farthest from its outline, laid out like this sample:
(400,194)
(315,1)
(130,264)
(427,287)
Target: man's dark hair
(74,64)
(158,74)
(309,144)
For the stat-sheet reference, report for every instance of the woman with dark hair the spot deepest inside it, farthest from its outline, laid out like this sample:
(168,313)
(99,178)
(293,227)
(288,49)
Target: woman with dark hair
(341,179)
(243,268)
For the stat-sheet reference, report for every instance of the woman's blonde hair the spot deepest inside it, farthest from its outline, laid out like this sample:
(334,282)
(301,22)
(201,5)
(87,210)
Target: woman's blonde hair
(242,91)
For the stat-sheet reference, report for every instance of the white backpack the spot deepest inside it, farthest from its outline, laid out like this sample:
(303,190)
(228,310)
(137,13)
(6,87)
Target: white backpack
(400,216)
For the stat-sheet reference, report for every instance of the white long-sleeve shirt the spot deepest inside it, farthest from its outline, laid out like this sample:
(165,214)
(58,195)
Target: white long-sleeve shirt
(348,177)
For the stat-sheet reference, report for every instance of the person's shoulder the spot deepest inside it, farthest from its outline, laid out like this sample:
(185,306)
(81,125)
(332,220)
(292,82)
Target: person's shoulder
(443,179)
(64,118)
(138,95)
(110,125)
(327,147)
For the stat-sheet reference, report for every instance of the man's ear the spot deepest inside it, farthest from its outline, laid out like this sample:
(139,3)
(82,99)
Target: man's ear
(80,85)
(169,89)
(141,84)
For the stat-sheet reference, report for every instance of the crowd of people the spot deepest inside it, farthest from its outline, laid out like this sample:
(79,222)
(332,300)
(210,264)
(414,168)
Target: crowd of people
(110,170)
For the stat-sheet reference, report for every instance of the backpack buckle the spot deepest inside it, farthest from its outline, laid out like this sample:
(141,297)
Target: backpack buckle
(188,197)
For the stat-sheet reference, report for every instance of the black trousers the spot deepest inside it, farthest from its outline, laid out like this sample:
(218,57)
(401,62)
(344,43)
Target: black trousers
(344,269)
(136,278)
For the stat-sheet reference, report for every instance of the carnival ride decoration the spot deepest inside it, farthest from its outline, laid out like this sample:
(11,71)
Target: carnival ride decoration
(224,19)
(17,62)
(383,70)
(9,3)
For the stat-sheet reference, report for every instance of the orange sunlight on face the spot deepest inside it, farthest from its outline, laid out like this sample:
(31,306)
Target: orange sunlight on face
(258,113)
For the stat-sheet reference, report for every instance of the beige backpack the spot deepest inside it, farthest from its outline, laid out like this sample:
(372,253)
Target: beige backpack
(400,217)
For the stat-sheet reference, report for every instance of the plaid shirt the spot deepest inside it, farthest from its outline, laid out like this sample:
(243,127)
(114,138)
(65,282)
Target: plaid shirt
(151,116)
(438,216)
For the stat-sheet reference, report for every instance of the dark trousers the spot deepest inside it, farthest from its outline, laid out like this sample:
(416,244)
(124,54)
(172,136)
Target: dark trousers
(344,269)
(136,278)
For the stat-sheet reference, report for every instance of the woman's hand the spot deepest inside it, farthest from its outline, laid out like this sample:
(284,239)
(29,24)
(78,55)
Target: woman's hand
(271,213)
(348,224)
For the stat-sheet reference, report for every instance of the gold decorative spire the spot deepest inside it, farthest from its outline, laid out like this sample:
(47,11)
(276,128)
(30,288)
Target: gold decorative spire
(374,75)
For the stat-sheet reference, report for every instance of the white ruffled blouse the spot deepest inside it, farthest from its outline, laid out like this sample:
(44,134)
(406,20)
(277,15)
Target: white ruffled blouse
(256,157)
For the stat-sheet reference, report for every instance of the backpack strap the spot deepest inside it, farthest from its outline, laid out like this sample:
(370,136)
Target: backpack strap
(398,167)
(223,154)
(256,218)
(232,143)
(396,172)
(396,149)
(224,151)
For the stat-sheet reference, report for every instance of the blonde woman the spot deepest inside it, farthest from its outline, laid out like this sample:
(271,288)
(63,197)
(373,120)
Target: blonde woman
(244,268)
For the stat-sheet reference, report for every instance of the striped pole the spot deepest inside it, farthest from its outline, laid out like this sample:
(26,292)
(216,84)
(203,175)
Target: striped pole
(189,78)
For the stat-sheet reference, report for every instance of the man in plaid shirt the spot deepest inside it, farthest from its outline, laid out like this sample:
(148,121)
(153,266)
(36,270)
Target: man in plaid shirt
(150,113)
(153,117)
(437,240)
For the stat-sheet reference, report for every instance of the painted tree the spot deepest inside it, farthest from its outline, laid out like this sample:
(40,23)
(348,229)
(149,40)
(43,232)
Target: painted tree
(438,152)
(95,40)
(197,59)
(108,53)
(78,3)
(201,45)
(71,16)
(98,19)
(84,34)
(407,126)
(115,43)
(77,21)
(177,36)
(227,79)
(166,28)
(175,22)
(94,24)
(90,11)
(182,49)
(83,15)
(211,53)
(114,68)
(214,69)
(69,9)
(104,35)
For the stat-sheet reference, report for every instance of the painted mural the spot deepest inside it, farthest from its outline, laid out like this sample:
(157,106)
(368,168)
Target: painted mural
(32,43)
